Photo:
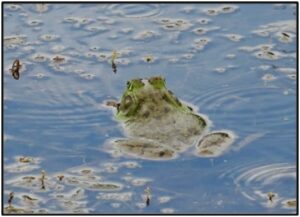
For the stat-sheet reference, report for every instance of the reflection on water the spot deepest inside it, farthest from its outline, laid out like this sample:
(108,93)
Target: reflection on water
(236,63)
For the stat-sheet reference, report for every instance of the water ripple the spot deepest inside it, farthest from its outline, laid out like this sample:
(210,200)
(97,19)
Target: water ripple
(236,104)
(134,10)
(60,106)
(258,182)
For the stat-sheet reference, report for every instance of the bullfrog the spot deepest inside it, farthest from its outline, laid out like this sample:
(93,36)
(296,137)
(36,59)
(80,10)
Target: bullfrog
(160,126)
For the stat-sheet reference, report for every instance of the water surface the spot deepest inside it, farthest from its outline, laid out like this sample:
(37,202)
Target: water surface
(235,62)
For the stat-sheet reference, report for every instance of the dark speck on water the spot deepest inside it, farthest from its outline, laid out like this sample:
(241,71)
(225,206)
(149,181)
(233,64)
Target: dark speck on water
(114,67)
(15,70)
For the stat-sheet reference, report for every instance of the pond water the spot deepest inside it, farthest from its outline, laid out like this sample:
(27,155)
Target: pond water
(236,63)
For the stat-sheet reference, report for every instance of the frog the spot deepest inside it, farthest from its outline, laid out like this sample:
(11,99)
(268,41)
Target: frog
(159,126)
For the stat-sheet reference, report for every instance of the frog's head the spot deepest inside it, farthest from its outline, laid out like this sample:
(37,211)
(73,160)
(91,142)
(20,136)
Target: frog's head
(138,91)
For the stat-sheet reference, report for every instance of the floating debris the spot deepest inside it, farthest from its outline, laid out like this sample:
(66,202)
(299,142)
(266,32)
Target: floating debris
(111,168)
(203,21)
(42,179)
(174,24)
(34,22)
(60,177)
(49,37)
(130,164)
(58,59)
(211,12)
(86,171)
(10,198)
(15,70)
(233,37)
(147,201)
(202,31)
(284,31)
(38,57)
(13,7)
(292,76)
(268,55)
(78,21)
(25,159)
(29,199)
(114,56)
(148,195)
(200,43)
(285,37)
(228,9)
(262,47)
(114,67)
(148,59)
(223,9)
(271,196)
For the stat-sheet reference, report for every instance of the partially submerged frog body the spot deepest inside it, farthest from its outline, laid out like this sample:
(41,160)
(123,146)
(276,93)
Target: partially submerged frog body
(159,125)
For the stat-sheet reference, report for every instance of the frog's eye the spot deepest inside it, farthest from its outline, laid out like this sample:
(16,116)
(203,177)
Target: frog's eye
(157,82)
(137,83)
(128,84)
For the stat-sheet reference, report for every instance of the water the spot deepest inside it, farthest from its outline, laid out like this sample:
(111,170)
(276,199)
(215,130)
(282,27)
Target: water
(236,63)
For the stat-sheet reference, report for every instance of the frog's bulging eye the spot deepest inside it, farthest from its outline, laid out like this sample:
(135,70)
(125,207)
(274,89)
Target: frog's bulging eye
(128,84)
(157,82)
(137,83)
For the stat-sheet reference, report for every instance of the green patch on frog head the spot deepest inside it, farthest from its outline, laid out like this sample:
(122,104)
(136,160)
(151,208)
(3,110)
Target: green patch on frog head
(157,82)
(148,96)
(129,101)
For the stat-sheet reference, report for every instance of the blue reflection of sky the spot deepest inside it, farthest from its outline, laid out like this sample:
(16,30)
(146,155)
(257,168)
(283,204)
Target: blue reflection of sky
(55,111)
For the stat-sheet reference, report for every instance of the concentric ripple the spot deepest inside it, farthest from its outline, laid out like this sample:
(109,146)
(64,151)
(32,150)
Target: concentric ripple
(237,105)
(268,185)
(57,106)
(134,10)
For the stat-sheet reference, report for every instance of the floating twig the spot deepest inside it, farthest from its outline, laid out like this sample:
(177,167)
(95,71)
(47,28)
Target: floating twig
(114,56)
(148,195)
(43,174)
(15,70)
(10,198)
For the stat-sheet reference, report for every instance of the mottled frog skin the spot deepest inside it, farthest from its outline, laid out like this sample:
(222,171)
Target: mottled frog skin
(158,124)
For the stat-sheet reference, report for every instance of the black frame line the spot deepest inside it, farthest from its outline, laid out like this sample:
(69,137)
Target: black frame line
(152,2)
